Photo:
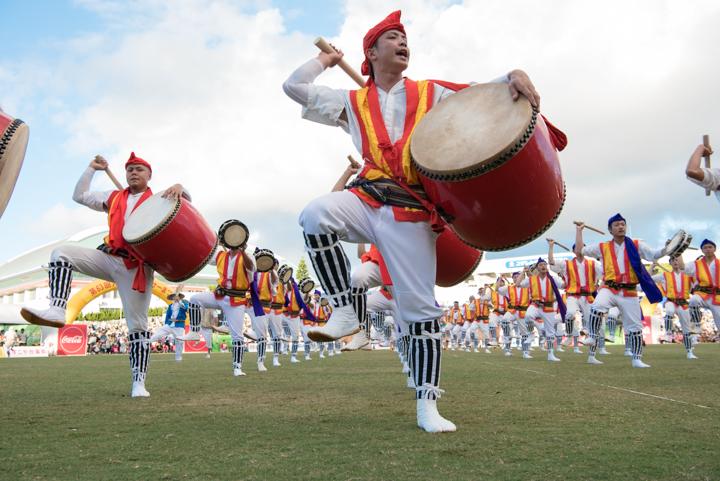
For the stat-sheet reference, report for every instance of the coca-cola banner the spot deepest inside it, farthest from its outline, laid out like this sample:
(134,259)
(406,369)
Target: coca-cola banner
(72,340)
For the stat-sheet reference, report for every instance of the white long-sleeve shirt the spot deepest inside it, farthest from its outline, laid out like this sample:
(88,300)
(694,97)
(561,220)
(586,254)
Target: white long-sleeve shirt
(561,269)
(326,105)
(97,200)
(646,252)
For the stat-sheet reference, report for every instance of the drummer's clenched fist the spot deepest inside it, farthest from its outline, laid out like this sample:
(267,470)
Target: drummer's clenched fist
(99,163)
(520,84)
(173,192)
(330,59)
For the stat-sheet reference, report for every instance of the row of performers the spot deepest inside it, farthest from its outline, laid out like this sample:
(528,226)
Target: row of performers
(552,291)
(285,338)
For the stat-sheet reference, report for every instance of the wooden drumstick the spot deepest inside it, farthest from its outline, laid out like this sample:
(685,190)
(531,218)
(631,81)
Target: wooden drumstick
(560,245)
(322,44)
(114,179)
(110,174)
(706,143)
(577,222)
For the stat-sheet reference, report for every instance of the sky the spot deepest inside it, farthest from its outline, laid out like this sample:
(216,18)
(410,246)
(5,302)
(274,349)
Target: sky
(195,88)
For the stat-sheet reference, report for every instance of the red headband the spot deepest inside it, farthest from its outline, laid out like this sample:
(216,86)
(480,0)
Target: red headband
(391,22)
(137,160)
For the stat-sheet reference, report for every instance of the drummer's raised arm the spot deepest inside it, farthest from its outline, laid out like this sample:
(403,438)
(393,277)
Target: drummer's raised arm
(704,177)
(248,262)
(648,253)
(320,103)
(82,194)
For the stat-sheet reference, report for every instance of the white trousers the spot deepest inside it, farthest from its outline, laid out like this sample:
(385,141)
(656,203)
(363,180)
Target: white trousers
(698,301)
(376,302)
(234,315)
(520,323)
(275,325)
(367,275)
(94,263)
(574,305)
(629,308)
(295,325)
(672,309)
(207,334)
(408,248)
(167,331)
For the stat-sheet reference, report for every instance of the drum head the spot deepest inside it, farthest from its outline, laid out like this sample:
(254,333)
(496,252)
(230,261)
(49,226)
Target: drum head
(306,286)
(233,234)
(324,302)
(149,218)
(285,272)
(264,260)
(678,244)
(470,129)
(13,143)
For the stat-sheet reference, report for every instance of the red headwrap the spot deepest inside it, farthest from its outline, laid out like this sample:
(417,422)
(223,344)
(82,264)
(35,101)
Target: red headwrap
(137,160)
(391,22)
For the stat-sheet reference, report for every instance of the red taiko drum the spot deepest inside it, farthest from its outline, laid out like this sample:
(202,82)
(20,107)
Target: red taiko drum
(455,260)
(490,163)
(171,236)
(14,135)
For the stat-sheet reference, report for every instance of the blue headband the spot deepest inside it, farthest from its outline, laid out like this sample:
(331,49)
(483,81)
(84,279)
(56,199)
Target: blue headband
(707,241)
(615,218)
(540,259)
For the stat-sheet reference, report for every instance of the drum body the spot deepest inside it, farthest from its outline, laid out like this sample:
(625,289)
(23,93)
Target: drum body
(455,260)
(171,236)
(491,165)
(678,244)
(264,260)
(14,134)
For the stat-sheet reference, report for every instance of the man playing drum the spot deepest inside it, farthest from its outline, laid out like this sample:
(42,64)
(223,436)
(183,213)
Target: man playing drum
(581,276)
(518,302)
(380,118)
(622,272)
(235,269)
(113,261)
(544,294)
(677,285)
(706,293)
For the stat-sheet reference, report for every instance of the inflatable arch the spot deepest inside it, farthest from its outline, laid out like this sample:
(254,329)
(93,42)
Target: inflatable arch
(81,298)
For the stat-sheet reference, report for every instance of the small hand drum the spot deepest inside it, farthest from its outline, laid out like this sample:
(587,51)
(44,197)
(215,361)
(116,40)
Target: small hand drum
(306,285)
(233,234)
(324,302)
(285,272)
(677,244)
(264,260)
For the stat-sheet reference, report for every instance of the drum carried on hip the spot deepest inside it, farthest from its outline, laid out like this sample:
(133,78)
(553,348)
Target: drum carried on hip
(455,260)
(14,135)
(171,236)
(491,164)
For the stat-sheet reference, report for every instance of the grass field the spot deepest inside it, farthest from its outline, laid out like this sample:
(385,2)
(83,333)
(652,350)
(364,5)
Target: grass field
(351,417)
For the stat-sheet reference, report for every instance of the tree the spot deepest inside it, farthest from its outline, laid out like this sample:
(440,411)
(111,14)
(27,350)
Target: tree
(302,270)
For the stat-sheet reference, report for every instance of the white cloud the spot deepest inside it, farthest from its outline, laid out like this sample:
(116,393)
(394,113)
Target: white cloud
(196,89)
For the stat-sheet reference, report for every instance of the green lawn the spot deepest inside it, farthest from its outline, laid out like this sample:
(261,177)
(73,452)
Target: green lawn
(351,417)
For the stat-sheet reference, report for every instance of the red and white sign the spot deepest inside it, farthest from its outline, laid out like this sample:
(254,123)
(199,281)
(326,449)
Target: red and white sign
(28,351)
(72,340)
(195,346)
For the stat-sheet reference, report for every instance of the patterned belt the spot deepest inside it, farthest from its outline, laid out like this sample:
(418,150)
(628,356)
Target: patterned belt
(706,290)
(581,293)
(679,302)
(520,308)
(618,286)
(222,291)
(388,192)
(275,305)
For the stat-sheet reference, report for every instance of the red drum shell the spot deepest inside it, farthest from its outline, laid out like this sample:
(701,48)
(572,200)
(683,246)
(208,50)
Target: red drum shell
(182,247)
(14,135)
(510,205)
(455,260)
